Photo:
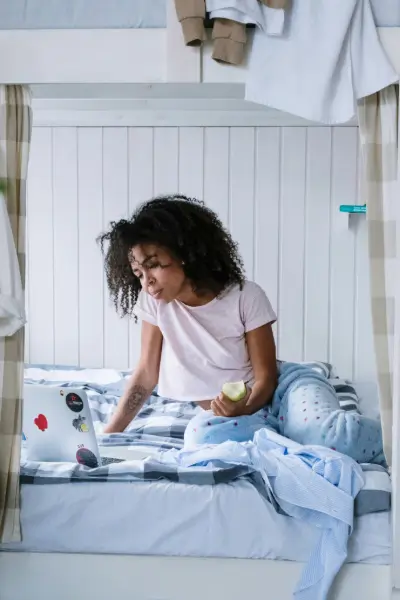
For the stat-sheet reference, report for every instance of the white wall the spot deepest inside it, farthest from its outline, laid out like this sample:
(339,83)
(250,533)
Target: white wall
(278,189)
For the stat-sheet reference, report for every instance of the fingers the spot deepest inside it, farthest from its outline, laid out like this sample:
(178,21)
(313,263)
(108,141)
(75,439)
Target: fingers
(222,407)
(216,411)
(218,408)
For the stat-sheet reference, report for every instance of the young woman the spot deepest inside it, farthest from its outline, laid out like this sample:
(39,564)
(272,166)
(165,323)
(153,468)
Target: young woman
(203,325)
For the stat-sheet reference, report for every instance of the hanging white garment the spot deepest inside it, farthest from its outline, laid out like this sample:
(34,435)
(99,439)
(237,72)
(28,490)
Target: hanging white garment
(12,311)
(328,57)
(269,20)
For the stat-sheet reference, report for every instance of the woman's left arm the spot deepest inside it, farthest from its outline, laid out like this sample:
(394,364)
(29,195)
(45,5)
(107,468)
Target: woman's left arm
(262,353)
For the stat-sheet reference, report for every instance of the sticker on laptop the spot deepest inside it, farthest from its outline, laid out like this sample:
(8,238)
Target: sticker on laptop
(80,425)
(41,422)
(74,402)
(87,458)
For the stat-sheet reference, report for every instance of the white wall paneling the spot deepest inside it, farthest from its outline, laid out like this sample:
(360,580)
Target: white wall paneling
(90,333)
(277,188)
(115,207)
(40,234)
(292,206)
(65,244)
(141,186)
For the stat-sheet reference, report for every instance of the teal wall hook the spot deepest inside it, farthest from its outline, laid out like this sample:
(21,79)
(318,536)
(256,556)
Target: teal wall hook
(353,208)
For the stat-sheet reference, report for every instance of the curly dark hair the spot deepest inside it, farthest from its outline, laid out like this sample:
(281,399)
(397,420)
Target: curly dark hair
(188,230)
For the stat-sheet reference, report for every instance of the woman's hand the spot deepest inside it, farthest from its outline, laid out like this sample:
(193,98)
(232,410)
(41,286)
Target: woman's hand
(224,407)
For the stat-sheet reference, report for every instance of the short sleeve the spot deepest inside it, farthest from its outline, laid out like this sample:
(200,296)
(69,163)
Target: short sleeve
(146,308)
(255,308)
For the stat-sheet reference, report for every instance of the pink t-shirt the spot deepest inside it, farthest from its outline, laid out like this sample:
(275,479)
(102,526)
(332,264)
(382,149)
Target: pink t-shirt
(204,346)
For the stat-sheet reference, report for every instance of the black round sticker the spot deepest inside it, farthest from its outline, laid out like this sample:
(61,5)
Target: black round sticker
(74,402)
(87,458)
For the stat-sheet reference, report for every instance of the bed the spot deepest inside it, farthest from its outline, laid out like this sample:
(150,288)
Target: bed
(206,524)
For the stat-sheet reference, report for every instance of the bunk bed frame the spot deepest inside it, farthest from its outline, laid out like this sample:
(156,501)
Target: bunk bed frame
(115,57)
(124,56)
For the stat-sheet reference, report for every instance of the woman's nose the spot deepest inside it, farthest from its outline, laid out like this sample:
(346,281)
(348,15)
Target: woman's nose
(148,281)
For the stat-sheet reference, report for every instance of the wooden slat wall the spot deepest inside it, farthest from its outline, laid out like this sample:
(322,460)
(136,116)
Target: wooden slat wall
(277,188)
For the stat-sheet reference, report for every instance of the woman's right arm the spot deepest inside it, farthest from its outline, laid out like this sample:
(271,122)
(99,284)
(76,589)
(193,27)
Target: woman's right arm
(142,382)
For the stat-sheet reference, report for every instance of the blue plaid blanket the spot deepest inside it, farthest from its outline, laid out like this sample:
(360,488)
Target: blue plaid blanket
(160,424)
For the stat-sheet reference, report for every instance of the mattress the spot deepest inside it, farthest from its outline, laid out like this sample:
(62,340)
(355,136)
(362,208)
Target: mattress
(170,519)
(163,517)
(82,14)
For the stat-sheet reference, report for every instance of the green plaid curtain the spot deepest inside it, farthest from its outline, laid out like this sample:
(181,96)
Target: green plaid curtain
(15,137)
(378,123)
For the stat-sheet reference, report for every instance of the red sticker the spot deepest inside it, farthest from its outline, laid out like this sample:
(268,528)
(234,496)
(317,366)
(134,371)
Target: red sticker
(41,422)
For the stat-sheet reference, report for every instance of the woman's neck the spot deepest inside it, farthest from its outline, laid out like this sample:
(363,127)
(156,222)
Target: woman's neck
(191,298)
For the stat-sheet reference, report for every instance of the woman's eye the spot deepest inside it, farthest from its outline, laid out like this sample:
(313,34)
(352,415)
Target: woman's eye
(154,266)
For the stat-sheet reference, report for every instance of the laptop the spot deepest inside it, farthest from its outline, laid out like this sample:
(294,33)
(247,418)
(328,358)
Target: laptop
(58,427)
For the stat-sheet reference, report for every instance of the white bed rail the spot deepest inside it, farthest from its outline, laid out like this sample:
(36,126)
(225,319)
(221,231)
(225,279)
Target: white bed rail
(124,56)
(217,579)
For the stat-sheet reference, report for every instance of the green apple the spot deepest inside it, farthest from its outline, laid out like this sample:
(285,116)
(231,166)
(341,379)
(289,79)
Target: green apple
(235,391)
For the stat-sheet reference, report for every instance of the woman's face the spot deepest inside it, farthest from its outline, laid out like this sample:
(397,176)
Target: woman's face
(159,273)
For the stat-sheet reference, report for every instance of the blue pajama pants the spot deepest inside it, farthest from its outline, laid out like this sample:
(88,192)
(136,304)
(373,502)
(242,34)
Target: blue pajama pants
(308,413)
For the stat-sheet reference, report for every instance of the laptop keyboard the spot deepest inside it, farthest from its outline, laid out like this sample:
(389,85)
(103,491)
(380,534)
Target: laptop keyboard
(106,460)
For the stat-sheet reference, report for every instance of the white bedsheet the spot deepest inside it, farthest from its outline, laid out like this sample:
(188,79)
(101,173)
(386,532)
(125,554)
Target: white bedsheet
(159,518)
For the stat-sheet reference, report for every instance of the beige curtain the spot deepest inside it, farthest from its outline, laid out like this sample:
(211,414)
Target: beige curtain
(378,123)
(15,136)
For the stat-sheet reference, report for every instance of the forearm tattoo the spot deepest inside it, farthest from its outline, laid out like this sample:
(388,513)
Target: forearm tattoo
(135,400)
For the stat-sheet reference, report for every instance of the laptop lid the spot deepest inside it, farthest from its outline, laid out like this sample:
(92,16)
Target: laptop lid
(58,426)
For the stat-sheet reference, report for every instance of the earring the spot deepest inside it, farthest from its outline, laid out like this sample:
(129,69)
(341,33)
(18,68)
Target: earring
(183,263)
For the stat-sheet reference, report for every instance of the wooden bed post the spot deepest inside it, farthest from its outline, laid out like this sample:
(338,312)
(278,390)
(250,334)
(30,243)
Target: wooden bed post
(183,64)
